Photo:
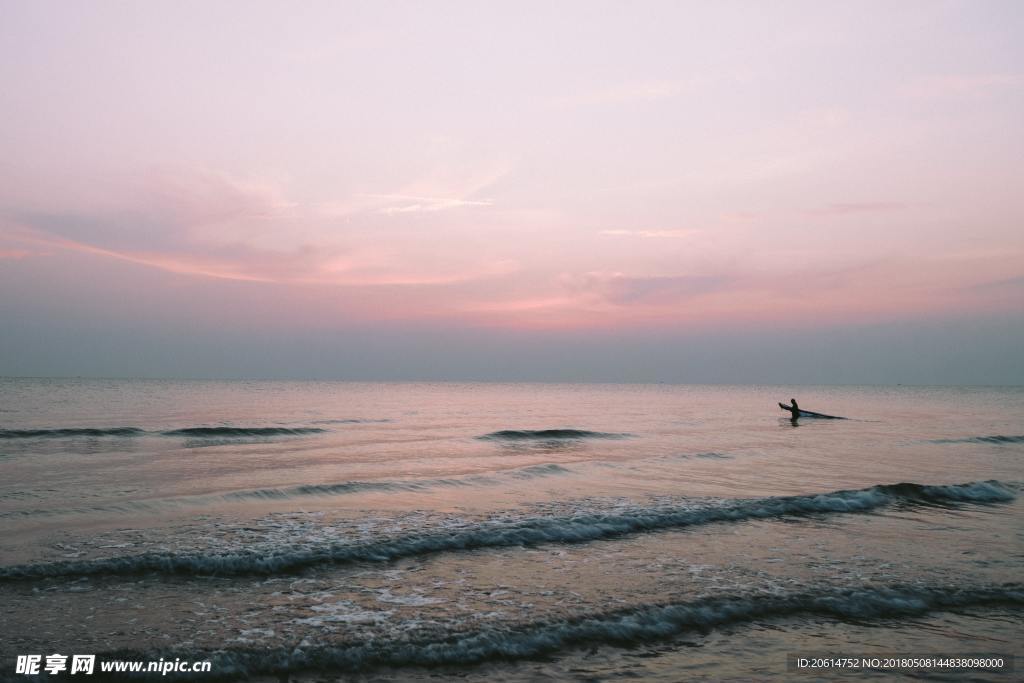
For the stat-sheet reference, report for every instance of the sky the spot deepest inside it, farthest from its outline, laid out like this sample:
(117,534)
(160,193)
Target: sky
(748,192)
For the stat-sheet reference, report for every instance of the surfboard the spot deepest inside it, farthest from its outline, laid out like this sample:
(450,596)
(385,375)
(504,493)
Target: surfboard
(808,413)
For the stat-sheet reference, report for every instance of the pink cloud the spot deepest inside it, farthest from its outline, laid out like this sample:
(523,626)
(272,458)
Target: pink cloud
(505,268)
(872,291)
(206,224)
(401,203)
(302,266)
(650,233)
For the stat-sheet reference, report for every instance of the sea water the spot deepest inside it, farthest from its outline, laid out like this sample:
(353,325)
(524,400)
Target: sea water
(333,530)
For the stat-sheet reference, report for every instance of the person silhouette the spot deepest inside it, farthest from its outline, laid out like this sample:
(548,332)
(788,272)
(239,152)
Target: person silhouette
(794,408)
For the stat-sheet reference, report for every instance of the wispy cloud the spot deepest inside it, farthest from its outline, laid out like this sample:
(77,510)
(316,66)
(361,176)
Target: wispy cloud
(306,265)
(648,234)
(229,262)
(206,225)
(402,203)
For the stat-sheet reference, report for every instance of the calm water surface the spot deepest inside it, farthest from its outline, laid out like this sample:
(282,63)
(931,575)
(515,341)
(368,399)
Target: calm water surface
(508,531)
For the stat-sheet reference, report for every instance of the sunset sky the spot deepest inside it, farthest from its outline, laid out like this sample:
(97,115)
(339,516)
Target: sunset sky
(625,191)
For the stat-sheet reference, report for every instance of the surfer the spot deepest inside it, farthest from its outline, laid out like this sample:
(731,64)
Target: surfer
(793,408)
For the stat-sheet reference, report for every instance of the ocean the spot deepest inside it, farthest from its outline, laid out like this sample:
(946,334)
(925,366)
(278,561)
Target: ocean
(512,532)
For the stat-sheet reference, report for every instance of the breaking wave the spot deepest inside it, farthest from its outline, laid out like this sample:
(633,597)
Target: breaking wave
(242,431)
(627,627)
(548,434)
(580,528)
(996,439)
(69,432)
(211,432)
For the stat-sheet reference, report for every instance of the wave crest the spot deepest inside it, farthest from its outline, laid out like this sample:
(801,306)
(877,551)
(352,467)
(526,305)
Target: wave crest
(242,431)
(212,432)
(996,439)
(622,628)
(69,432)
(580,528)
(549,435)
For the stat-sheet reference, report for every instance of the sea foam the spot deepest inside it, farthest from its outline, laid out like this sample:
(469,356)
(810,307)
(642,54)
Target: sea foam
(581,528)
